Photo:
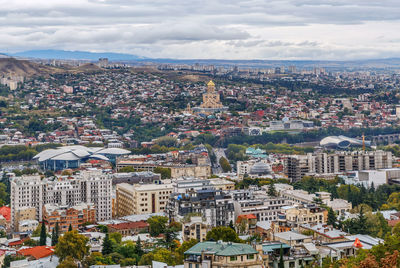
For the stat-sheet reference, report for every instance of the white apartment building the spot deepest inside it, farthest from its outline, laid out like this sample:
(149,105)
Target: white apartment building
(297,166)
(243,167)
(265,209)
(301,197)
(88,187)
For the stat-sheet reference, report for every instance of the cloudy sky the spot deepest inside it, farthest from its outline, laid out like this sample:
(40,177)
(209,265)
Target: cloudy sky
(223,29)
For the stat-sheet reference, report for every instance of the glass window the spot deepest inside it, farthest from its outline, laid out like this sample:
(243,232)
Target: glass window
(250,257)
(233,258)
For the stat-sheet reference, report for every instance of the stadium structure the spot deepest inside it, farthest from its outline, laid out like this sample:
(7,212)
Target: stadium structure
(72,156)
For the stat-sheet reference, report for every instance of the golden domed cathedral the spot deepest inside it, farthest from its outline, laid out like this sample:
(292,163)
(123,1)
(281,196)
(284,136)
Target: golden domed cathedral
(211,101)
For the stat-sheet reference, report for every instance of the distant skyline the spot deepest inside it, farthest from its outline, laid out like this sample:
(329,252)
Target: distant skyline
(218,29)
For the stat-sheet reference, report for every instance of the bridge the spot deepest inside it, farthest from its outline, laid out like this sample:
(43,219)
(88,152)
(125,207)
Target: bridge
(385,139)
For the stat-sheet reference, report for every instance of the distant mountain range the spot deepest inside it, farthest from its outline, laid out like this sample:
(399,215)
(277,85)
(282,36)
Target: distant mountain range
(94,56)
(75,55)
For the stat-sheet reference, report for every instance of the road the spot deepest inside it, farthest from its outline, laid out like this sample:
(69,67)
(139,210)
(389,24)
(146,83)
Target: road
(219,152)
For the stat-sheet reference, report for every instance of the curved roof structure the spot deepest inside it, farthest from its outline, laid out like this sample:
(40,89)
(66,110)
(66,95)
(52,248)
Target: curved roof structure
(260,168)
(341,142)
(77,152)
(116,151)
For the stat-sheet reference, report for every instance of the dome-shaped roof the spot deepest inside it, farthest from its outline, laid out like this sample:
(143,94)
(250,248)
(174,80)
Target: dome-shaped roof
(260,168)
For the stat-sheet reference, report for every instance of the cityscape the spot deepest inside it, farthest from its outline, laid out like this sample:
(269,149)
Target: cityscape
(177,134)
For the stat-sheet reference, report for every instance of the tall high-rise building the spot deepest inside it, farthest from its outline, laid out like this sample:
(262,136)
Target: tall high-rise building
(103,62)
(88,187)
(398,111)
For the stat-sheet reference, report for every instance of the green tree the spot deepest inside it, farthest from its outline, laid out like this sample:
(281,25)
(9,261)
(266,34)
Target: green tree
(271,190)
(116,238)
(165,172)
(175,226)
(53,236)
(366,208)
(169,238)
(127,169)
(127,249)
(10,258)
(396,229)
(223,233)
(231,225)
(331,218)
(4,195)
(57,233)
(115,257)
(161,255)
(37,231)
(43,235)
(281,263)
(377,225)
(68,262)
(128,262)
(72,244)
(393,201)
(103,228)
(107,246)
(157,225)
(31,243)
(147,259)
(70,228)
(362,222)
(184,247)
(92,259)
(138,247)
(167,141)
(226,167)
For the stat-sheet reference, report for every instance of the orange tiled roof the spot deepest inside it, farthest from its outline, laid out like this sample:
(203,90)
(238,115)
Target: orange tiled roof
(37,252)
(246,216)
(6,212)
(392,223)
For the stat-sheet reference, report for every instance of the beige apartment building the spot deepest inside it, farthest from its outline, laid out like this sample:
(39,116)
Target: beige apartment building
(295,216)
(25,219)
(142,199)
(195,228)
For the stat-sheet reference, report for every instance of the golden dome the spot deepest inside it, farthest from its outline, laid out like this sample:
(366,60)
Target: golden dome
(211,84)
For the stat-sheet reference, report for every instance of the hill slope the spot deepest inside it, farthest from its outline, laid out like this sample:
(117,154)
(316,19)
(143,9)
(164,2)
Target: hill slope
(21,67)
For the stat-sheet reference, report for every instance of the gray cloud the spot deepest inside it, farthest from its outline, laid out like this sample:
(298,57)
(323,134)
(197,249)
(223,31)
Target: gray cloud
(329,29)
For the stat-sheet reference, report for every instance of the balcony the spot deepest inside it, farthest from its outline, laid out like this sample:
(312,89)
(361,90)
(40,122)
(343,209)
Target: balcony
(237,263)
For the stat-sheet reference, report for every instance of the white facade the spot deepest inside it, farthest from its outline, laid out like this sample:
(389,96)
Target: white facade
(89,187)
(243,167)
(369,177)
(339,206)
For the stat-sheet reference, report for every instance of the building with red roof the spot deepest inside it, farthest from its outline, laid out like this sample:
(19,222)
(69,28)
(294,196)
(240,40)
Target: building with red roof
(36,253)
(6,212)
(247,223)
(129,228)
